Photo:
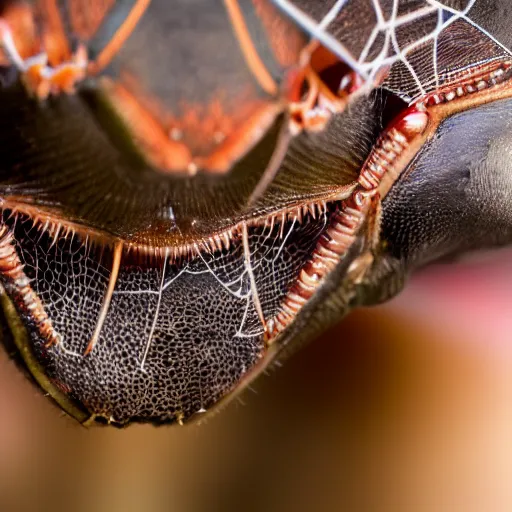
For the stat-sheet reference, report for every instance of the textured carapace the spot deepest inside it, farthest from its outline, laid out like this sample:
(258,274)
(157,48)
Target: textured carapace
(190,188)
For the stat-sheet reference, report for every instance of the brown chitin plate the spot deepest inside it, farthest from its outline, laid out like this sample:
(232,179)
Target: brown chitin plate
(181,204)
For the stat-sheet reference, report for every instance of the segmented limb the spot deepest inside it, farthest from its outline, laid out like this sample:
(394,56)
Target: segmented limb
(358,216)
(18,286)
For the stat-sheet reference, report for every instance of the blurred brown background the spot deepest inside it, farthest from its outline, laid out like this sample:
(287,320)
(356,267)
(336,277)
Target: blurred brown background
(405,407)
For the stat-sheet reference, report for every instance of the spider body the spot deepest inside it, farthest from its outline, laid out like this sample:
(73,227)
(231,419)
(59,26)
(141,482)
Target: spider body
(189,193)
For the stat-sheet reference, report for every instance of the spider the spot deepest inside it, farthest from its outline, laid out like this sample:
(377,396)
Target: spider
(190,190)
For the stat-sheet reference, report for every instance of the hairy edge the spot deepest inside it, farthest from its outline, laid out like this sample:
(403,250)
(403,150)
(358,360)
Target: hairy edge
(392,150)
(56,227)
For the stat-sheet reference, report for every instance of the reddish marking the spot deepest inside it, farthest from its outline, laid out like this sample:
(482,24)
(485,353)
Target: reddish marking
(198,123)
(196,147)
(148,133)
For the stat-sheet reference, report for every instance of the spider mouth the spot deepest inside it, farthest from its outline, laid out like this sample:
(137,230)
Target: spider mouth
(160,333)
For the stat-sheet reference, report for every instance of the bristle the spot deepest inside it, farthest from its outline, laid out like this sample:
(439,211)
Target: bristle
(57,229)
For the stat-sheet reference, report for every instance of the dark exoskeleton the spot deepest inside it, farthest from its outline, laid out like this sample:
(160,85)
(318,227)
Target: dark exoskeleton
(191,189)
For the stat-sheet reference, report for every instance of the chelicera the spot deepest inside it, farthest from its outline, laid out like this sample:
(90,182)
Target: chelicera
(177,216)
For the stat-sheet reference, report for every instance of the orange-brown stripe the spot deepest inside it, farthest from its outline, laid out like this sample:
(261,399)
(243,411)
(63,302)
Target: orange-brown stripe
(252,58)
(120,36)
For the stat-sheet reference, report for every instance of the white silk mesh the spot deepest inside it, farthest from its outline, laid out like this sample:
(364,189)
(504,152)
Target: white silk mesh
(392,30)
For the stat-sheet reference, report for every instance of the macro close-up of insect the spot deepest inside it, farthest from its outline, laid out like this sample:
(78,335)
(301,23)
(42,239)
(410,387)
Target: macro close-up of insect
(190,190)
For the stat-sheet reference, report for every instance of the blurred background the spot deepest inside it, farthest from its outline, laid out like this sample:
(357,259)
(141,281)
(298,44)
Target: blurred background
(403,407)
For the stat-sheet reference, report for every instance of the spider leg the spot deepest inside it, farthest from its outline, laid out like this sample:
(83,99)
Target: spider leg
(17,284)
(39,78)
